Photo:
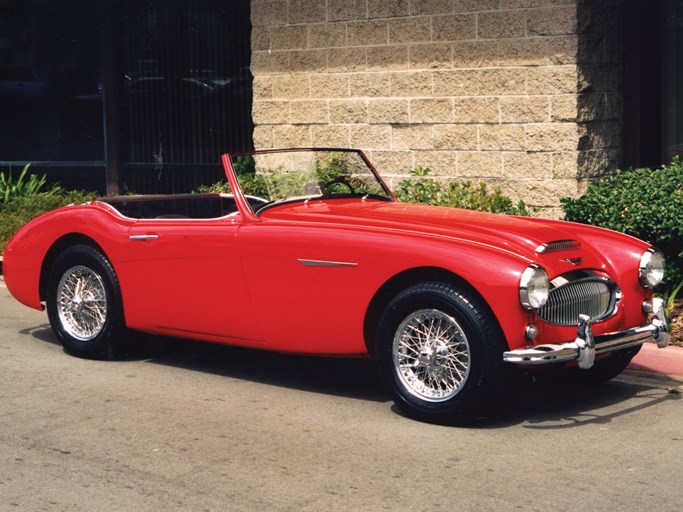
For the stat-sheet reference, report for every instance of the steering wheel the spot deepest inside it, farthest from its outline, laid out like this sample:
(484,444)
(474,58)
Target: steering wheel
(341,181)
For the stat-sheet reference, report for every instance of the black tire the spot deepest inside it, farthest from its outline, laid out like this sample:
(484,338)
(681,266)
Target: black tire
(84,304)
(453,371)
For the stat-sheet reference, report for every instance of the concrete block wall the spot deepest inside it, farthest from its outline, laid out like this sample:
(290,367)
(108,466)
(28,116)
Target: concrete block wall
(520,94)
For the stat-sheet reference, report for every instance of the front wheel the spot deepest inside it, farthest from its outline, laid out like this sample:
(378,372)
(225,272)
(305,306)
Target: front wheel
(84,303)
(439,353)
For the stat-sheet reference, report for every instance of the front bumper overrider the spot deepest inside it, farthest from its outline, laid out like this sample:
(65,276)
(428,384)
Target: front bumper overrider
(586,346)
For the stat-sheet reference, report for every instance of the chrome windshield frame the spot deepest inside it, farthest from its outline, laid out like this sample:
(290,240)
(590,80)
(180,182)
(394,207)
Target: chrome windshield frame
(237,183)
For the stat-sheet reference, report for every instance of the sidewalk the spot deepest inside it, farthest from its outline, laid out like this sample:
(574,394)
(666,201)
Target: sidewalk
(667,361)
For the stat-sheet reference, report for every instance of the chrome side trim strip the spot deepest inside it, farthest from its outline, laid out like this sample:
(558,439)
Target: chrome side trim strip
(143,237)
(322,263)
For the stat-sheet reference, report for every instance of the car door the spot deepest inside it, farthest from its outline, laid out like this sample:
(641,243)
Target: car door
(184,278)
(311,285)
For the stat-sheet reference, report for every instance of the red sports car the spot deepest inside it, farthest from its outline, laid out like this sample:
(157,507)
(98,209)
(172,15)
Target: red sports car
(311,253)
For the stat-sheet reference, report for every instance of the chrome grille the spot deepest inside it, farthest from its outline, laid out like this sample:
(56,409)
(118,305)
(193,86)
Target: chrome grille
(594,297)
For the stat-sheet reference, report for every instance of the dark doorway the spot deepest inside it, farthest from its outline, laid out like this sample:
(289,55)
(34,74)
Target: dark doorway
(124,95)
(653,82)
(642,84)
(185,90)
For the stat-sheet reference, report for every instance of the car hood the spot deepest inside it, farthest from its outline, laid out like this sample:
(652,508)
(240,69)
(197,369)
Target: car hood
(519,235)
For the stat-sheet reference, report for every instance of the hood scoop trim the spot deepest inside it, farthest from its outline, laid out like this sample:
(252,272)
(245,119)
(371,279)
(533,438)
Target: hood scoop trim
(557,246)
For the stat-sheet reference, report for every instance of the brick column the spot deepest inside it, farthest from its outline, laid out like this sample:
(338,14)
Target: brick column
(510,92)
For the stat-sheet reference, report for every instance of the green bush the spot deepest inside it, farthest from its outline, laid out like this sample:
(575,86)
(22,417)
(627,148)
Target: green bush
(220,187)
(646,203)
(420,188)
(21,186)
(20,209)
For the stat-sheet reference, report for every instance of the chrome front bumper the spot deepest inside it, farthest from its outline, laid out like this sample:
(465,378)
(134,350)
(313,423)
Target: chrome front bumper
(586,346)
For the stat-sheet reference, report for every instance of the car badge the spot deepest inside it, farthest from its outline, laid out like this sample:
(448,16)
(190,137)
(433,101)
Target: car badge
(572,261)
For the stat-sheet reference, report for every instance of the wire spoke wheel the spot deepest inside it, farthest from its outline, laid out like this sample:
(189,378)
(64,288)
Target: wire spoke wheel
(431,355)
(439,352)
(82,303)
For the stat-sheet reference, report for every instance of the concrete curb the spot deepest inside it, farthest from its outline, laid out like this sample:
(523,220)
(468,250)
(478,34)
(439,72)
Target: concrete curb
(667,361)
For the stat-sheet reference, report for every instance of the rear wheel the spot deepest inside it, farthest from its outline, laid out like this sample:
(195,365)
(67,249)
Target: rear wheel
(84,303)
(439,353)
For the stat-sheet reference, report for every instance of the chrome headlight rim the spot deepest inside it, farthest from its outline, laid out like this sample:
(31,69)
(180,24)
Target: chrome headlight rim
(651,268)
(534,287)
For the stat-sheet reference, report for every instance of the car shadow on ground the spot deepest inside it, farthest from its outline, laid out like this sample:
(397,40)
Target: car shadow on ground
(554,404)
(346,377)
(535,403)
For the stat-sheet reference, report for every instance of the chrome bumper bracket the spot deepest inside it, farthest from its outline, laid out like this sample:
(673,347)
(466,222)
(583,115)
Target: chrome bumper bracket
(585,343)
(586,346)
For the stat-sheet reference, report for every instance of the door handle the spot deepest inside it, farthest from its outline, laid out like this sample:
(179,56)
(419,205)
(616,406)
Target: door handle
(143,237)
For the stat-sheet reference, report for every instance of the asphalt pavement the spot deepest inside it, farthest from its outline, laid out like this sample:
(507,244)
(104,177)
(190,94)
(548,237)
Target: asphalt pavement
(188,426)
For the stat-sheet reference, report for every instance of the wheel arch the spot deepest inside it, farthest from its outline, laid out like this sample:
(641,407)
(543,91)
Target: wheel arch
(61,244)
(405,280)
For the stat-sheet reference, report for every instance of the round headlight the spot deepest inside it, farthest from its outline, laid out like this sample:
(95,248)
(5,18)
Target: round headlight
(651,269)
(533,287)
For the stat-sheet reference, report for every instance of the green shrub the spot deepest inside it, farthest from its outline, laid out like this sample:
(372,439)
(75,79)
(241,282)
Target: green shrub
(646,203)
(256,185)
(220,187)
(21,186)
(20,209)
(420,188)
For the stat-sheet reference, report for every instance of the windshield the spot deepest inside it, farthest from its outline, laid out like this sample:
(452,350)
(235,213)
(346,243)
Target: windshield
(274,177)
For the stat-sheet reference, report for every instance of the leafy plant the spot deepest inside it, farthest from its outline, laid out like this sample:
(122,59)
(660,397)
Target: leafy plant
(21,186)
(336,174)
(220,187)
(244,164)
(671,297)
(20,209)
(342,173)
(646,203)
(421,188)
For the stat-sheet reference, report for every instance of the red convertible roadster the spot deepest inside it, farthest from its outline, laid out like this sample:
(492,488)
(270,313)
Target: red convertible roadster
(311,253)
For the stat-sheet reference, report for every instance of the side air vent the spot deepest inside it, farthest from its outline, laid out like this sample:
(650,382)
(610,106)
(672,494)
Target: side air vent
(558,245)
